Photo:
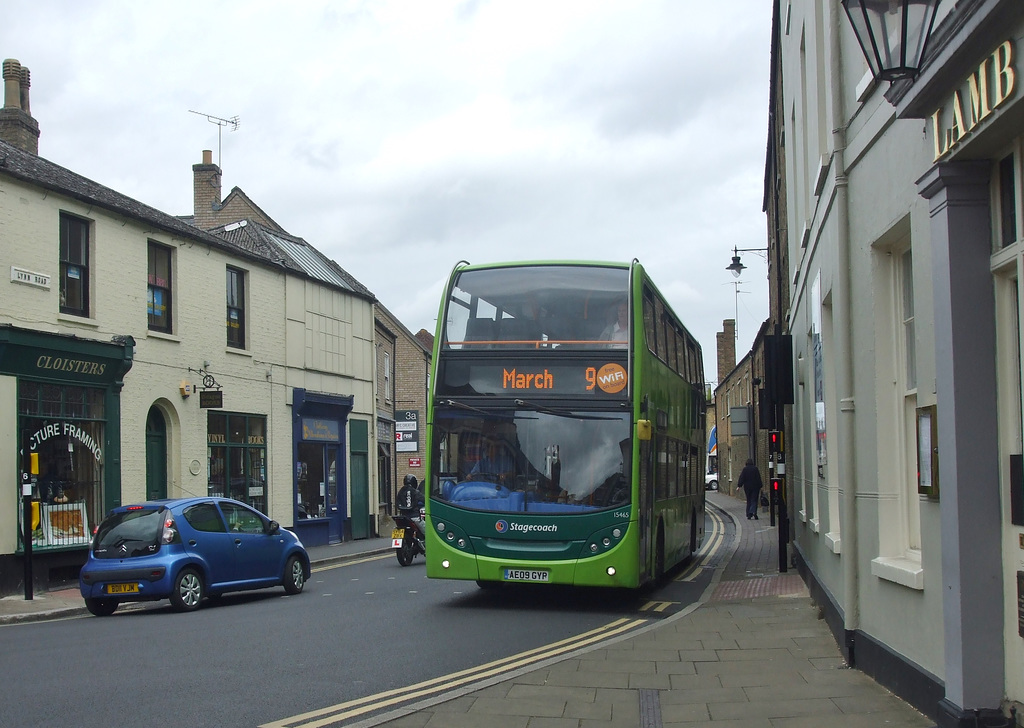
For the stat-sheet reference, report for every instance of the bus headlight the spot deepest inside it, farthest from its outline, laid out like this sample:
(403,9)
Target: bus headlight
(440,527)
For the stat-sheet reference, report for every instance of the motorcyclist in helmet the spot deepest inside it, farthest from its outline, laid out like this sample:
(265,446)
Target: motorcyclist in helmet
(409,497)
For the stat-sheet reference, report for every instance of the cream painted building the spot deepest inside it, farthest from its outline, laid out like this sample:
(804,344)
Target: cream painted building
(905,236)
(143,357)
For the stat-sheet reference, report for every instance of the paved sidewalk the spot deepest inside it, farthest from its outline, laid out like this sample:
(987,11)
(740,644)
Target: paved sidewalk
(752,654)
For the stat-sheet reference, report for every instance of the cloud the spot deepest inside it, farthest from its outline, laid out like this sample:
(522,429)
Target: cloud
(401,137)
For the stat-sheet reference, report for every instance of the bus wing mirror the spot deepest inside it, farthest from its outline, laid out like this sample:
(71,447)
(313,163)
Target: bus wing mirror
(643,429)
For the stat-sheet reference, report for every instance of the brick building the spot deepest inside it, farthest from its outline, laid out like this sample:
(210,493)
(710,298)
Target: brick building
(403,378)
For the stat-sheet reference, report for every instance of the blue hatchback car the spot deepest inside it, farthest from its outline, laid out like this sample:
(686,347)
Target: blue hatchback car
(186,549)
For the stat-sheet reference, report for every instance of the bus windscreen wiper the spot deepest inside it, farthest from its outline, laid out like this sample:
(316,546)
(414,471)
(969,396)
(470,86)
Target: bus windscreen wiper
(559,412)
(462,405)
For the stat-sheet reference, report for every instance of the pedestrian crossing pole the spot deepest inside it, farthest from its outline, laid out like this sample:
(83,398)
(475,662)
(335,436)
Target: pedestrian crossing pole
(777,451)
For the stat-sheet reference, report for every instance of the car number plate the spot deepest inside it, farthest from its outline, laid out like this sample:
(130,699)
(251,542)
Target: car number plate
(122,588)
(526,575)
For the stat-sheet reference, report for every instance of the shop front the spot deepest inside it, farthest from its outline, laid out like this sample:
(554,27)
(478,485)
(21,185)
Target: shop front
(973,106)
(237,451)
(318,429)
(66,413)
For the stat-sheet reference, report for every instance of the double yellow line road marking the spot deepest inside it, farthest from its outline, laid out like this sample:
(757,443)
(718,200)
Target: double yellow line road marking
(341,712)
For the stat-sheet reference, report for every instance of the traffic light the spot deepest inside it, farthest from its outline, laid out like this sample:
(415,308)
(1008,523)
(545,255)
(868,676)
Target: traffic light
(776,484)
(775,441)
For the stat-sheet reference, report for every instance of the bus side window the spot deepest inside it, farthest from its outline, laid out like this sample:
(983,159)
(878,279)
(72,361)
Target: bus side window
(649,321)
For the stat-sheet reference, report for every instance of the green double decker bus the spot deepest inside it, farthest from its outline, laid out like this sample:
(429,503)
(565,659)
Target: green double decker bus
(565,428)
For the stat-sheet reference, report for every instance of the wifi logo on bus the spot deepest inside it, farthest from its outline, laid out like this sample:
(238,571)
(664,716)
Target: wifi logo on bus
(612,378)
(501,526)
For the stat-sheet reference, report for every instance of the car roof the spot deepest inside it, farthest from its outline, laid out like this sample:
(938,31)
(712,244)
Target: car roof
(174,502)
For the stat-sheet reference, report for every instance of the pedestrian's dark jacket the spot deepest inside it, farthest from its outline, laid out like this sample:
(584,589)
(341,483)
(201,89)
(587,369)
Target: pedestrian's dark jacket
(750,479)
(409,498)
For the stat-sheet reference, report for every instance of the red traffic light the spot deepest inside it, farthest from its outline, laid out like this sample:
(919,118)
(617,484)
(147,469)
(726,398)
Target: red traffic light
(775,483)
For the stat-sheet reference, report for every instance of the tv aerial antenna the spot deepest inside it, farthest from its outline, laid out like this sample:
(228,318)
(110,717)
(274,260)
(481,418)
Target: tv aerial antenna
(736,293)
(233,122)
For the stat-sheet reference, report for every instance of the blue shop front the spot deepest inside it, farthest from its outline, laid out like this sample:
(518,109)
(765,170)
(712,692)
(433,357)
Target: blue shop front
(319,456)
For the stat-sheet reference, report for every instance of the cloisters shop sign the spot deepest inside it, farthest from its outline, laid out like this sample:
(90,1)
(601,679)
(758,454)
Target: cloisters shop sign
(991,84)
(28,353)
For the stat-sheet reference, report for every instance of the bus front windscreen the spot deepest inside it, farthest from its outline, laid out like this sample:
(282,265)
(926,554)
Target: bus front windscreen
(533,460)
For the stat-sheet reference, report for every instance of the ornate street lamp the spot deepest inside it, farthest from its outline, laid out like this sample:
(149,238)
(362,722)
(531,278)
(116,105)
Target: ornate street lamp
(893,34)
(736,266)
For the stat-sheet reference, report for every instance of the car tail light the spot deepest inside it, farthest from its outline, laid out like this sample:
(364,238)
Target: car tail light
(169,532)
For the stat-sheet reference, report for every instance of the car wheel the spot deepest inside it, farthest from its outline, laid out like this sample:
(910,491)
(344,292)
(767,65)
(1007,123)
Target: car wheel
(101,607)
(294,575)
(712,485)
(187,593)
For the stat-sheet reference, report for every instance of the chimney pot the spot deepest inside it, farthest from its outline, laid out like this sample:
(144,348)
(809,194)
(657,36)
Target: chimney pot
(12,84)
(17,127)
(25,83)
(207,156)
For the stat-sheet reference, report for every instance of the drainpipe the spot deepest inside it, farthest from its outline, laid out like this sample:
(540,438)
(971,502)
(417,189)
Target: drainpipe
(844,349)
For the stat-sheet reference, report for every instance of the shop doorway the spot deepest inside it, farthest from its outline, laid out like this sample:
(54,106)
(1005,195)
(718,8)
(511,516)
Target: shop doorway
(156,455)
(320,493)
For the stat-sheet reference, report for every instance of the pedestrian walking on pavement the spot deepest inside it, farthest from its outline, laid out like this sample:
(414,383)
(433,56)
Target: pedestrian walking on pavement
(750,481)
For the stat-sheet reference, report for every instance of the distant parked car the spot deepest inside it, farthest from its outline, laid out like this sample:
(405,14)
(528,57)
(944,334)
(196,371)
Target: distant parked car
(711,481)
(186,549)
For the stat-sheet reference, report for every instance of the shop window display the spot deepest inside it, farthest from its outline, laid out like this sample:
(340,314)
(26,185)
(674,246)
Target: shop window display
(317,479)
(63,427)
(237,457)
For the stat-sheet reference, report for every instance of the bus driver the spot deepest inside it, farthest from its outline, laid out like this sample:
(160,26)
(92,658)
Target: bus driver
(494,463)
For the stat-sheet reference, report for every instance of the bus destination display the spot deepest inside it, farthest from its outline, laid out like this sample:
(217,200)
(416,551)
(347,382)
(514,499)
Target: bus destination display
(599,379)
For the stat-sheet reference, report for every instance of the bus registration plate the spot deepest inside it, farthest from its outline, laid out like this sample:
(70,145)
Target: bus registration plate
(526,575)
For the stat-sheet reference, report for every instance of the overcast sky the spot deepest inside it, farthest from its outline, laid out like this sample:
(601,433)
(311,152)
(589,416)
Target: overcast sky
(402,137)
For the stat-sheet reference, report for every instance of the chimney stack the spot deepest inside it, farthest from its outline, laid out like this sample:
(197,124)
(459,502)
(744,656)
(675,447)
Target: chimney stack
(726,341)
(206,192)
(17,127)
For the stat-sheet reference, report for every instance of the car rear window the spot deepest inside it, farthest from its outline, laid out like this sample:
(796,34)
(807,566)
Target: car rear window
(129,533)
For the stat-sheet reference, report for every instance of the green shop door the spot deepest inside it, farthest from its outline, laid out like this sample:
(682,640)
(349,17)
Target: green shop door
(156,455)
(360,486)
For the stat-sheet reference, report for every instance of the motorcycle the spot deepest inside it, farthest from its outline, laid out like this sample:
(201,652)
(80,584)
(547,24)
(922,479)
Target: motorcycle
(408,537)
